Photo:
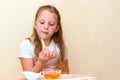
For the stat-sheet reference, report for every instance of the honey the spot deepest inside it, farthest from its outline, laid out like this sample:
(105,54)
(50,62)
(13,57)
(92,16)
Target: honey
(52,75)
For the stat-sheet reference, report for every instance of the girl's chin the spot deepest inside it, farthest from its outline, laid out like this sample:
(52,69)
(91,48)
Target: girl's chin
(45,38)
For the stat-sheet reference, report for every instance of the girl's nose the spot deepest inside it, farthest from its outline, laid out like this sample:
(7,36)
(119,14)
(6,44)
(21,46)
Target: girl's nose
(46,26)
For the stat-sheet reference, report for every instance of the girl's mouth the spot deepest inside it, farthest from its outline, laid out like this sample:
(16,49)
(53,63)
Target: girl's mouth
(44,32)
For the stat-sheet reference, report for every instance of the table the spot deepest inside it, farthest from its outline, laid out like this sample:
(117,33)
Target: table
(62,77)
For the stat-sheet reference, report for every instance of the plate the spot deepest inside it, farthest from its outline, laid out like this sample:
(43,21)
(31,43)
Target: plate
(31,75)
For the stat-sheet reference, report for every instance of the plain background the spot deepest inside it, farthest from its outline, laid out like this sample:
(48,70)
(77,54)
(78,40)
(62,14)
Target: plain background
(91,31)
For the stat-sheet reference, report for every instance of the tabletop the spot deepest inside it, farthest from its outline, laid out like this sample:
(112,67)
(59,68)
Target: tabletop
(62,77)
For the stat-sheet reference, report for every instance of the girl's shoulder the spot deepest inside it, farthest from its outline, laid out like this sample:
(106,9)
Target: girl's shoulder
(26,49)
(26,42)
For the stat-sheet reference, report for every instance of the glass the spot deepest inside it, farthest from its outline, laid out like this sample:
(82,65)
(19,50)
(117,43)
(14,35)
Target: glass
(51,74)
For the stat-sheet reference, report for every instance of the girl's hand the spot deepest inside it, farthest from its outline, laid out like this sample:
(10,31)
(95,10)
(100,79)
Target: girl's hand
(45,55)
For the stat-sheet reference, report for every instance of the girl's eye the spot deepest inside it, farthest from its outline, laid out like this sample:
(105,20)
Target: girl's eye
(41,22)
(51,24)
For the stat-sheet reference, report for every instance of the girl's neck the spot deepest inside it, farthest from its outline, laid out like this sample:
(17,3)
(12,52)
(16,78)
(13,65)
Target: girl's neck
(47,42)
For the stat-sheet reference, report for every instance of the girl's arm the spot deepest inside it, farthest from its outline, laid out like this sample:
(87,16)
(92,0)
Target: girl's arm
(65,67)
(27,65)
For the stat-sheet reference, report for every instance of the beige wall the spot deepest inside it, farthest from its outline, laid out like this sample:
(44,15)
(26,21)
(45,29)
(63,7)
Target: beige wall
(91,31)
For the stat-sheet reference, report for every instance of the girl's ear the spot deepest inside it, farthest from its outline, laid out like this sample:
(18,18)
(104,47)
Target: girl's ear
(35,24)
(57,28)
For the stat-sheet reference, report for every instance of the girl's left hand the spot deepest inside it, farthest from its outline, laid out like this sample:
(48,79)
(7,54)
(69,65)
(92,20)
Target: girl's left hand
(45,55)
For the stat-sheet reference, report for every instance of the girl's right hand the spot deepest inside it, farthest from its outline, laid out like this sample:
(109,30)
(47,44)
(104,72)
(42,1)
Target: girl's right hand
(45,55)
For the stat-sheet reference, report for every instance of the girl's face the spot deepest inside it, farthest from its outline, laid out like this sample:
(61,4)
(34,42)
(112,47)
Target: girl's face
(46,24)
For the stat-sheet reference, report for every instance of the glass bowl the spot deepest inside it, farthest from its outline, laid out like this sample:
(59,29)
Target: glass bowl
(51,74)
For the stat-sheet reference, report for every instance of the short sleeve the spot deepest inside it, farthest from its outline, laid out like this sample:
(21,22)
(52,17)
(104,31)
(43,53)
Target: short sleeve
(26,49)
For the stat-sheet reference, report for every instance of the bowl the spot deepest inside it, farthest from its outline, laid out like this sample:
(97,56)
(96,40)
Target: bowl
(51,74)
(31,75)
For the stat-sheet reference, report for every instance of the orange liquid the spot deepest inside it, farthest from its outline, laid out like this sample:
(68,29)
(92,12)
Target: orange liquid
(51,75)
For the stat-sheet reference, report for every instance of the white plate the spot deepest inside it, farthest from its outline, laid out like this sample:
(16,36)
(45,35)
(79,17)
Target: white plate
(64,75)
(31,75)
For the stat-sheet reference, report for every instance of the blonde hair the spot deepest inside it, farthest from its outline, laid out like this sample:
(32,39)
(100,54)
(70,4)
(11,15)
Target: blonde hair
(57,37)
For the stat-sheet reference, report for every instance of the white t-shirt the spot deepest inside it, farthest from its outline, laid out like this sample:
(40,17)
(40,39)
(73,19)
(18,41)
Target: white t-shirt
(26,50)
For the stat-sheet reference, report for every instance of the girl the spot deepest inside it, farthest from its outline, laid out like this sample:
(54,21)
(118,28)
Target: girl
(33,56)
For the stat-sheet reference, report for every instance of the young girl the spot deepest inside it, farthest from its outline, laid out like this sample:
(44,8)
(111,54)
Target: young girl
(47,27)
